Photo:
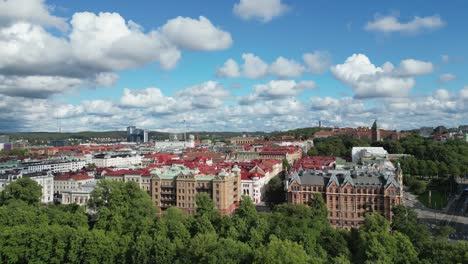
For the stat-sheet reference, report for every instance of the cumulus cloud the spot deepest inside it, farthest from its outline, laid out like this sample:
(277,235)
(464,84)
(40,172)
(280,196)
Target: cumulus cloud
(90,54)
(447,77)
(464,93)
(370,81)
(274,113)
(276,89)
(390,24)
(33,11)
(263,10)
(411,67)
(284,68)
(317,62)
(209,94)
(230,69)
(254,67)
(201,34)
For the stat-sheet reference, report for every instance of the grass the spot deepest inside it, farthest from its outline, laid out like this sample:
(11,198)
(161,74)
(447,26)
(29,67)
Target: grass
(438,199)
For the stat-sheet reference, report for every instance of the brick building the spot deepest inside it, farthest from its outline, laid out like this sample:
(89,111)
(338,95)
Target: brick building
(349,194)
(178,185)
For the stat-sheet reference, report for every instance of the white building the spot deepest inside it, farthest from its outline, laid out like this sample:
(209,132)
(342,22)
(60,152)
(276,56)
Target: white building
(253,182)
(174,144)
(54,165)
(44,178)
(123,160)
(80,195)
(67,181)
(358,153)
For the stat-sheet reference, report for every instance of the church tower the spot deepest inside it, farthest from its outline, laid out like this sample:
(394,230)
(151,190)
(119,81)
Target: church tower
(375,132)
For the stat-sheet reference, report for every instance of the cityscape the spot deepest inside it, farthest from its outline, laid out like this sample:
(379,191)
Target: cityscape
(246,131)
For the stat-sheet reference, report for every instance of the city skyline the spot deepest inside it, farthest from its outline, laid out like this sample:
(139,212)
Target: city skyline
(231,65)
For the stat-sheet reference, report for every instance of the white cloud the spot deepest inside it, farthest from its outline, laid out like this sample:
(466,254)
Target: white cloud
(323,103)
(201,34)
(276,89)
(33,11)
(263,10)
(230,69)
(464,93)
(144,98)
(447,77)
(411,67)
(284,68)
(95,48)
(253,66)
(317,62)
(368,80)
(209,94)
(390,24)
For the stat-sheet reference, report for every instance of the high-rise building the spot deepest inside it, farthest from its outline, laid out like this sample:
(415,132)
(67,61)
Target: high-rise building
(375,132)
(137,135)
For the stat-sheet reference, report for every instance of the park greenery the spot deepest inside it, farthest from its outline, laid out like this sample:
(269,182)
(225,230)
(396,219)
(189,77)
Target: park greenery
(121,226)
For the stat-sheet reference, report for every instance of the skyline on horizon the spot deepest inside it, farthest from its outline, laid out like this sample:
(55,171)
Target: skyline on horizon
(243,65)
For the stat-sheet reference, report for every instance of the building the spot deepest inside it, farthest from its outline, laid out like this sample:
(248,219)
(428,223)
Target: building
(44,178)
(349,194)
(255,179)
(70,180)
(137,135)
(79,195)
(359,153)
(59,143)
(375,132)
(178,186)
(116,160)
(141,176)
(174,145)
(243,140)
(290,153)
(426,131)
(53,165)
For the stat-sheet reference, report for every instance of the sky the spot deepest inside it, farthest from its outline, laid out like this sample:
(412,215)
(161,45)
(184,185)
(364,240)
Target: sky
(240,65)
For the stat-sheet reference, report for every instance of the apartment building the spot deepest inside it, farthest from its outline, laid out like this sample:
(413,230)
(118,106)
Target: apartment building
(349,194)
(178,186)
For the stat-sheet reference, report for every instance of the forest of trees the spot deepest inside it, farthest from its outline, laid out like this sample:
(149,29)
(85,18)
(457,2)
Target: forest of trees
(124,228)
(429,158)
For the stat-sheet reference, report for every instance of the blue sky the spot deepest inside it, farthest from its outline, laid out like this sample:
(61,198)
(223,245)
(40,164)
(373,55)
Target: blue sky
(100,65)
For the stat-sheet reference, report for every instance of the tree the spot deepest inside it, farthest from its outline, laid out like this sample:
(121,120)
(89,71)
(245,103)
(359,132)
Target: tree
(285,164)
(274,191)
(122,207)
(281,252)
(23,189)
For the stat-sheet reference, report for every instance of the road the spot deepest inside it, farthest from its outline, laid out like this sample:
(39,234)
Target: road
(452,215)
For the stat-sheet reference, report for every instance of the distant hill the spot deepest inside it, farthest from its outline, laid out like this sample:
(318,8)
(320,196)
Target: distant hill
(86,135)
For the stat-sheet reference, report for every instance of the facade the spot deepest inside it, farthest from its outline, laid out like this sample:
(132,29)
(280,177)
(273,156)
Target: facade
(254,181)
(137,135)
(349,194)
(364,153)
(120,160)
(178,186)
(66,181)
(243,140)
(290,153)
(141,177)
(53,165)
(175,144)
(80,195)
(44,178)
(375,132)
